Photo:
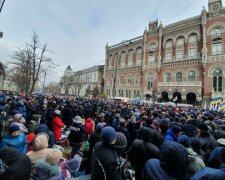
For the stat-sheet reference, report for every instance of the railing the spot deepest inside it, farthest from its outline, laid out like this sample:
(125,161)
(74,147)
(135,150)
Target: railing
(183,83)
(216,58)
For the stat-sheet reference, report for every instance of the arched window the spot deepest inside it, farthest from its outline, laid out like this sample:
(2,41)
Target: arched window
(130,58)
(192,46)
(180,48)
(191,76)
(152,47)
(150,79)
(123,59)
(116,61)
(139,56)
(169,50)
(179,77)
(218,80)
(137,80)
(217,41)
(167,77)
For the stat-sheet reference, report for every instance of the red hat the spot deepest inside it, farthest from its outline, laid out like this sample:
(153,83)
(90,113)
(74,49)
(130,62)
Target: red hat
(30,137)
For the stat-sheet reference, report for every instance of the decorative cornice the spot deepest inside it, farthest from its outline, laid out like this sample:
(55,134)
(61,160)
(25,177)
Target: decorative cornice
(181,63)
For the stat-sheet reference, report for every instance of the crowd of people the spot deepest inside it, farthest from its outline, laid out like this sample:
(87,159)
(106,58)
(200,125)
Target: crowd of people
(56,138)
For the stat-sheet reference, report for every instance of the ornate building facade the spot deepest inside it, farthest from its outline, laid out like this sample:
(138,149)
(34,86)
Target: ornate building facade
(185,59)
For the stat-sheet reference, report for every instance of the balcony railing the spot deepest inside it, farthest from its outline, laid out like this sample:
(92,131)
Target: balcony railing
(183,83)
(216,58)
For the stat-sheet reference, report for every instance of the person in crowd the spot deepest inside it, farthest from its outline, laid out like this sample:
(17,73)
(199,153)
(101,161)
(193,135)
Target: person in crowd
(19,120)
(30,138)
(49,167)
(173,133)
(171,165)
(89,126)
(95,137)
(15,139)
(57,125)
(40,148)
(195,162)
(77,134)
(68,115)
(123,129)
(214,160)
(145,150)
(22,109)
(104,161)
(43,128)
(208,143)
(212,173)
(17,165)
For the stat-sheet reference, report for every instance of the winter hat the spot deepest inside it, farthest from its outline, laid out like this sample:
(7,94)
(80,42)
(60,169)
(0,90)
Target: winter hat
(54,157)
(57,112)
(108,135)
(203,127)
(100,126)
(18,117)
(13,129)
(121,140)
(164,121)
(185,141)
(176,129)
(30,137)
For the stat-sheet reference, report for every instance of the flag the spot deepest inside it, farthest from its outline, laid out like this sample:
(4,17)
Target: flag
(175,99)
(222,106)
(216,100)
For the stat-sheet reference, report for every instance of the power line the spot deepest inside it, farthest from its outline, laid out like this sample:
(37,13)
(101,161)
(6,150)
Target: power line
(189,5)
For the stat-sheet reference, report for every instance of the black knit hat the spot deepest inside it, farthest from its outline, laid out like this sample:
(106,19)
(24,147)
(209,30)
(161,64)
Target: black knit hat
(203,127)
(176,129)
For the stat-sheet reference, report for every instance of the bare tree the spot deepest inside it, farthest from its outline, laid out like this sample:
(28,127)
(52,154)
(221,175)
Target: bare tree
(29,63)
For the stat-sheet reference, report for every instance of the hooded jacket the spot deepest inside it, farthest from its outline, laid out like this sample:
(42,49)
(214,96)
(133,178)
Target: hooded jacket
(19,165)
(195,162)
(171,136)
(171,165)
(57,127)
(45,171)
(40,148)
(19,142)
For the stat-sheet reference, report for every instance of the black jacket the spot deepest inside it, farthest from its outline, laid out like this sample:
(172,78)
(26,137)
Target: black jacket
(19,165)
(104,163)
(139,153)
(77,132)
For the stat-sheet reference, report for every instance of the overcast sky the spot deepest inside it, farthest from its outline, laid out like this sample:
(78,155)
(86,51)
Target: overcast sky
(77,31)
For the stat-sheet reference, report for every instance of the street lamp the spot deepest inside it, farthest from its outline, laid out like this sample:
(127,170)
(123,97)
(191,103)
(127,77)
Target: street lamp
(45,73)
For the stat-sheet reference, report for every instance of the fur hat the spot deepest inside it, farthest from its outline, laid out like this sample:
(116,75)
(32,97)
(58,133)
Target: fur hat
(108,135)
(54,157)
(13,128)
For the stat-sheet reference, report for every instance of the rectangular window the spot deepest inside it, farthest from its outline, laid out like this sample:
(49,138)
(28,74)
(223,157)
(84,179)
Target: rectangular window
(180,55)
(134,93)
(138,94)
(192,53)
(127,93)
(169,57)
(152,58)
(217,48)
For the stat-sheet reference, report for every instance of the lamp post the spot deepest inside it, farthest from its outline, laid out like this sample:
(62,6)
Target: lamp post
(45,73)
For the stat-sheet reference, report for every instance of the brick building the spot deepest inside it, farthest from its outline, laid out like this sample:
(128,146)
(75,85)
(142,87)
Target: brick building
(185,59)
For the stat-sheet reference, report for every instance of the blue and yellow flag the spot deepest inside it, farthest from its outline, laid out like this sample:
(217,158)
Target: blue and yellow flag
(216,100)
(222,105)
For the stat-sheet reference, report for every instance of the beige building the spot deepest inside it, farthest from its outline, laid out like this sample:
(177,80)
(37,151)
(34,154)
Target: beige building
(185,59)
(82,83)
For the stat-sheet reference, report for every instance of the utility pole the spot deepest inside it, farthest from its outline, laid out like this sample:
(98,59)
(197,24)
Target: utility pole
(1,4)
